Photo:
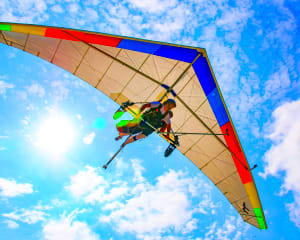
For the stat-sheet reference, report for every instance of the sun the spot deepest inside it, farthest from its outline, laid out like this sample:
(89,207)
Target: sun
(55,134)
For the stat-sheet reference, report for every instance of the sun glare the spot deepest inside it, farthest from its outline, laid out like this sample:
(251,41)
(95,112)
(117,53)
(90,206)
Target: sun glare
(55,134)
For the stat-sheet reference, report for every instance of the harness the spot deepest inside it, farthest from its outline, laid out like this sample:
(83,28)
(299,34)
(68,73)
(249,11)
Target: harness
(154,116)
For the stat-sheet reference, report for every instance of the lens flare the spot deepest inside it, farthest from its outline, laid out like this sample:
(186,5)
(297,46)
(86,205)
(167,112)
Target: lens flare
(99,123)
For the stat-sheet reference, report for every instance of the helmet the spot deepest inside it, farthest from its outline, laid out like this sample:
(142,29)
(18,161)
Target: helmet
(170,101)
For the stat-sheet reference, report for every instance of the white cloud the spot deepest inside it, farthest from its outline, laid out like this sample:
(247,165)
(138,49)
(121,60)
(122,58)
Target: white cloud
(233,21)
(245,107)
(74,8)
(92,2)
(233,229)
(113,205)
(159,149)
(141,208)
(93,188)
(138,170)
(22,95)
(2,148)
(95,195)
(121,164)
(101,109)
(283,155)
(58,202)
(11,224)
(190,226)
(30,216)
(279,33)
(68,228)
(156,209)
(29,11)
(206,206)
(41,207)
(169,20)
(10,188)
(11,55)
(4,86)
(99,194)
(278,83)
(211,230)
(57,8)
(153,6)
(36,89)
(294,209)
(91,15)
(170,26)
(26,120)
(60,91)
(85,182)
(152,212)
(89,138)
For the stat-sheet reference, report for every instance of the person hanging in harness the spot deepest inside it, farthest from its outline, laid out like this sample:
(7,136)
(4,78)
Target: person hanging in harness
(157,117)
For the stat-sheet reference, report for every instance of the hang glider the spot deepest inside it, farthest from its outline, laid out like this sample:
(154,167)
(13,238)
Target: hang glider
(139,70)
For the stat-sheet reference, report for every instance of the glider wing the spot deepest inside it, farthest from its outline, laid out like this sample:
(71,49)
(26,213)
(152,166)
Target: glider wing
(132,69)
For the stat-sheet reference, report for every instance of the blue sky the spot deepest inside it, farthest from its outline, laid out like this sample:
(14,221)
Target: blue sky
(254,50)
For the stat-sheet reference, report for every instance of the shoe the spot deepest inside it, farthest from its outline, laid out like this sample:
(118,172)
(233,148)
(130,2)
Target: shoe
(118,138)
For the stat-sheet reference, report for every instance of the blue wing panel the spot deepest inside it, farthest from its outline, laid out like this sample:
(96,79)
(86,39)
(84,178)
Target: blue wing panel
(177,53)
(217,106)
(139,46)
(204,75)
